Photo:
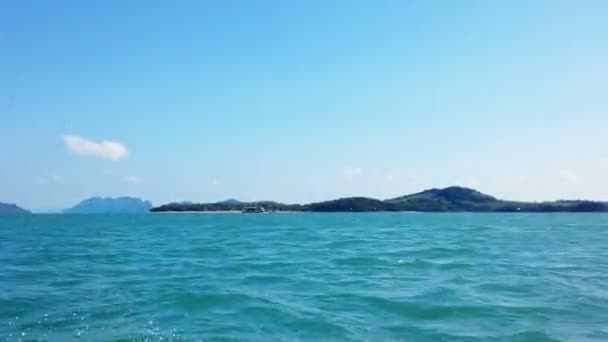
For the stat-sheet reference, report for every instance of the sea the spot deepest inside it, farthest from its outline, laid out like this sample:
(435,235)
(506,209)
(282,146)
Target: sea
(304,277)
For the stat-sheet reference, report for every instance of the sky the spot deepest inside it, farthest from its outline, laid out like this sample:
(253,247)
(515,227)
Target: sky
(300,101)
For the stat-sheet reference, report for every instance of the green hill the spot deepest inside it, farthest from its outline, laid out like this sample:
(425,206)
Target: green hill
(449,199)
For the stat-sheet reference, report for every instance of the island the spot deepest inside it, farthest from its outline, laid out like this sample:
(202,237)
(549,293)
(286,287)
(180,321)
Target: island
(450,199)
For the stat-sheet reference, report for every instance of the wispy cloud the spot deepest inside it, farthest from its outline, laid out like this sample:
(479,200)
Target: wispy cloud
(351,172)
(133,180)
(109,150)
(569,177)
(472,182)
(49,180)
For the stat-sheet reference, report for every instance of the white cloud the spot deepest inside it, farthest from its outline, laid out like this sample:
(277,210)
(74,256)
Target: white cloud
(110,150)
(604,162)
(133,180)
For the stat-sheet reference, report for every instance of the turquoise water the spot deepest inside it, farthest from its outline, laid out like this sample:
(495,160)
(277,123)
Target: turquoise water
(360,277)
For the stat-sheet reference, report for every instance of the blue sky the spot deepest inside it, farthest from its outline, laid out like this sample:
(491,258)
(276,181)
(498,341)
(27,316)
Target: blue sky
(300,101)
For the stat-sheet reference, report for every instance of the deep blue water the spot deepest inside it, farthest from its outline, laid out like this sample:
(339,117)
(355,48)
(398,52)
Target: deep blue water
(359,277)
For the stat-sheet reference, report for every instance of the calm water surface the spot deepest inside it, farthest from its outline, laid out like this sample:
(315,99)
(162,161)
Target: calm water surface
(359,277)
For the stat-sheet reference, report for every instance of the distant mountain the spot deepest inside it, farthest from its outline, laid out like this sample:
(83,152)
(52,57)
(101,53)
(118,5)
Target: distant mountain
(9,208)
(450,199)
(97,205)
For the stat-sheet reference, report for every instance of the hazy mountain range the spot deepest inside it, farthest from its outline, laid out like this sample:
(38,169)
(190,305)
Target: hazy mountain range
(9,208)
(98,205)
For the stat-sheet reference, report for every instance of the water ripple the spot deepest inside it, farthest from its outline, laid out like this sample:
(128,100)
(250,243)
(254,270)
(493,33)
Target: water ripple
(360,277)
